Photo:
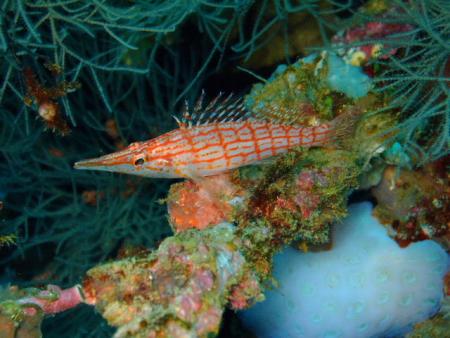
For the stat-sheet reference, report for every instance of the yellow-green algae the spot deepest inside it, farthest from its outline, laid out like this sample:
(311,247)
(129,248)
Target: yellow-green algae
(6,240)
(436,327)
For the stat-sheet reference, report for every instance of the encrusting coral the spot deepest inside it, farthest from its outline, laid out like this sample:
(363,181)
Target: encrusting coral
(177,291)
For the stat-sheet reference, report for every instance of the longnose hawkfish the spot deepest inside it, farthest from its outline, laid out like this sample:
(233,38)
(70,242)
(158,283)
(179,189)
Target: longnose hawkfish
(214,139)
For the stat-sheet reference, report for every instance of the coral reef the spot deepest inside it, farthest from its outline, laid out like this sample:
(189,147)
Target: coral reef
(298,195)
(298,198)
(134,63)
(104,74)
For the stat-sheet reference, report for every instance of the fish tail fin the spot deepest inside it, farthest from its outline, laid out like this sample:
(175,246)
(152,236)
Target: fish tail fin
(343,126)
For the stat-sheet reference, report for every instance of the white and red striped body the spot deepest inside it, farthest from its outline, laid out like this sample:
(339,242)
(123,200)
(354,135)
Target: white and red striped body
(208,149)
(218,147)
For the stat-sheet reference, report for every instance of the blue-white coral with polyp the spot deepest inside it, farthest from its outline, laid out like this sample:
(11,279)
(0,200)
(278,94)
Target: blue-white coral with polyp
(366,286)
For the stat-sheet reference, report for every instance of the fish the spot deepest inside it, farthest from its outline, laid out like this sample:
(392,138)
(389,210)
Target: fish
(215,139)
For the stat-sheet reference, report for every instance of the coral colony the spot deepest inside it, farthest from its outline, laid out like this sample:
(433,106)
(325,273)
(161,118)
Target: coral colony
(269,213)
(391,288)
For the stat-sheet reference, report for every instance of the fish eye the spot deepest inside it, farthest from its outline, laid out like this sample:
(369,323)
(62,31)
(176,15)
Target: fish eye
(139,161)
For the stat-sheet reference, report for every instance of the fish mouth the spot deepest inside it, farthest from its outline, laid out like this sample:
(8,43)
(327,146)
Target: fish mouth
(92,163)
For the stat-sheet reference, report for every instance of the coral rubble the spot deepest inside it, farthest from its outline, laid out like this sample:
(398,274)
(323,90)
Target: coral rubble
(177,291)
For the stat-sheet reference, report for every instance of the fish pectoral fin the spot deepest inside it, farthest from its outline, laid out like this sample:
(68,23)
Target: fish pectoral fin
(188,173)
(204,183)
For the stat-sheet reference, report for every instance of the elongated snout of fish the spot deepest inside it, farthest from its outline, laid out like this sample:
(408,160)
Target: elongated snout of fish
(87,164)
(106,162)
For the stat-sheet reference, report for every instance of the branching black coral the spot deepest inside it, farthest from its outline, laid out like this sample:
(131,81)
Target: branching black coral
(93,36)
(418,78)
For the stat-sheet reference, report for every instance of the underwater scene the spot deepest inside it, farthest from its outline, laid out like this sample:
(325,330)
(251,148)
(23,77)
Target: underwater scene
(225,168)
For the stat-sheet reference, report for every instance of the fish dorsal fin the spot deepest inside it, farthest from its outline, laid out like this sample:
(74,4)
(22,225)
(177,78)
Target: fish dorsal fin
(220,109)
(284,114)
